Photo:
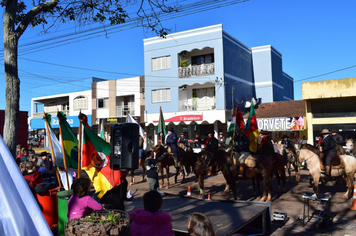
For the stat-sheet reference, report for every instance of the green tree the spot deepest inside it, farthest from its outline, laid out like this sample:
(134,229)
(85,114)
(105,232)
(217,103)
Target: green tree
(49,13)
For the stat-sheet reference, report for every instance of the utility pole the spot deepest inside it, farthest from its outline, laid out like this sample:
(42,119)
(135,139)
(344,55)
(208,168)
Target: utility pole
(232,99)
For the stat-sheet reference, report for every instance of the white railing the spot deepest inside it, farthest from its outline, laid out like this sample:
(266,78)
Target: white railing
(122,111)
(198,70)
(185,105)
(53,113)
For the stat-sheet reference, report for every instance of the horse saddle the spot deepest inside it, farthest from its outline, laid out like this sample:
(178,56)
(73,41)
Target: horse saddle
(336,163)
(247,159)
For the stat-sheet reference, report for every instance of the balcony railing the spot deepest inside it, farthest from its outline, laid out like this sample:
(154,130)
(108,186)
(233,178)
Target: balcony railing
(200,106)
(198,70)
(53,113)
(122,111)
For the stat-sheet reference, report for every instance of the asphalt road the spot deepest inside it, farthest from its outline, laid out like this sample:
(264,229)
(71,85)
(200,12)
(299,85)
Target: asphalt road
(289,202)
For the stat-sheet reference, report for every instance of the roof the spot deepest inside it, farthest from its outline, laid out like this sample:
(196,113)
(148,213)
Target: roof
(280,109)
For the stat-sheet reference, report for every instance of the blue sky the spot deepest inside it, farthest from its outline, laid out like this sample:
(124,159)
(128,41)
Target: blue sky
(314,37)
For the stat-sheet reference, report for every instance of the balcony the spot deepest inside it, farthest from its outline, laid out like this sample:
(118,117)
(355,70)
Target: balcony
(201,105)
(196,70)
(52,113)
(122,111)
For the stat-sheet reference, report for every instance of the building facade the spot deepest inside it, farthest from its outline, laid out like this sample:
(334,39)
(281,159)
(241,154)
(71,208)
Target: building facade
(198,76)
(330,105)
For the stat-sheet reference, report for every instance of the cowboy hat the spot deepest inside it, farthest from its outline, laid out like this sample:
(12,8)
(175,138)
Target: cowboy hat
(171,129)
(334,131)
(285,136)
(325,131)
(265,132)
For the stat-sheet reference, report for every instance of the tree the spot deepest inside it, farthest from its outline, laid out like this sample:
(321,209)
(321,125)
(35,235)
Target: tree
(48,13)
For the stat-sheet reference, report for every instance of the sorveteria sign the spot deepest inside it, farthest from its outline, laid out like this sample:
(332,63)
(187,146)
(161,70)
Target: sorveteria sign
(281,123)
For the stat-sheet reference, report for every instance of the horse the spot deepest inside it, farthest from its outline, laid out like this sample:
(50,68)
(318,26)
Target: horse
(291,160)
(141,163)
(168,161)
(311,155)
(350,147)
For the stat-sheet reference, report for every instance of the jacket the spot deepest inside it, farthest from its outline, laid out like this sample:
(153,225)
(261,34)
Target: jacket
(242,143)
(328,143)
(172,139)
(33,178)
(145,223)
(212,144)
(151,167)
(81,207)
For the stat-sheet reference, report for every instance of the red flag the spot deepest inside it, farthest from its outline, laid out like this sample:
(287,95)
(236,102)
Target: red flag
(252,129)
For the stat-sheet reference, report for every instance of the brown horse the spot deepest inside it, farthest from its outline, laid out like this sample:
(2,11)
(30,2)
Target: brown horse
(292,160)
(168,161)
(311,155)
(141,163)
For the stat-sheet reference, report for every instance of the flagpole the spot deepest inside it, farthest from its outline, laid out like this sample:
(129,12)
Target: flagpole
(53,154)
(80,145)
(64,153)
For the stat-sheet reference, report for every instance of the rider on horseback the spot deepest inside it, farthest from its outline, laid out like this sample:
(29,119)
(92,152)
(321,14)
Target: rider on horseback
(211,146)
(288,144)
(328,148)
(242,144)
(171,141)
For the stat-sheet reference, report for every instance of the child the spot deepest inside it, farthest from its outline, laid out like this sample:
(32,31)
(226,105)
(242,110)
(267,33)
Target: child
(151,171)
(200,225)
(80,204)
(151,221)
(32,176)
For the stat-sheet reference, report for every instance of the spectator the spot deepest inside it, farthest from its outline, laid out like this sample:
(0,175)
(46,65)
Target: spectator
(197,141)
(32,176)
(43,160)
(152,171)
(22,167)
(18,150)
(200,225)
(302,142)
(24,156)
(151,221)
(30,150)
(338,138)
(80,204)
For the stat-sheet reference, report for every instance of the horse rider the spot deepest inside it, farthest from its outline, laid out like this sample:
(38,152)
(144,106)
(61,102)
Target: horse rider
(241,144)
(171,141)
(183,140)
(338,138)
(288,144)
(211,143)
(328,148)
(221,140)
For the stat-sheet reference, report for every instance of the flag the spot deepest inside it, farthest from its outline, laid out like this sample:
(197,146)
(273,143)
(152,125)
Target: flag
(69,141)
(19,211)
(102,130)
(96,161)
(161,125)
(236,119)
(251,128)
(56,149)
(130,119)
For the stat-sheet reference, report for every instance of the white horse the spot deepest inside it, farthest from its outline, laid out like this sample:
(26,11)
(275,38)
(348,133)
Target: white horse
(350,147)
(311,155)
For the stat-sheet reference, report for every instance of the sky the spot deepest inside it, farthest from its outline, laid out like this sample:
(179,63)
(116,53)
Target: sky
(316,39)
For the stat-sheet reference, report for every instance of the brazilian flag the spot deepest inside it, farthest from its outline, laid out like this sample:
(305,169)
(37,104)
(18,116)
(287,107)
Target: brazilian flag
(69,141)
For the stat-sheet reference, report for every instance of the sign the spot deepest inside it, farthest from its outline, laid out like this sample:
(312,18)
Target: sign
(115,120)
(281,124)
(183,118)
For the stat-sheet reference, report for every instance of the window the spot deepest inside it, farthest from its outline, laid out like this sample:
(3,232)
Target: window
(80,102)
(103,102)
(161,63)
(203,59)
(161,95)
(65,106)
(204,98)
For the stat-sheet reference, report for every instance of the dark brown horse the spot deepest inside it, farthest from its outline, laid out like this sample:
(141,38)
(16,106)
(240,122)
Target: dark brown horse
(141,163)
(168,161)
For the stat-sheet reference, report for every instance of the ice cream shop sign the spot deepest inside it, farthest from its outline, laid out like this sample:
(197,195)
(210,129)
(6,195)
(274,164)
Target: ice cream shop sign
(282,123)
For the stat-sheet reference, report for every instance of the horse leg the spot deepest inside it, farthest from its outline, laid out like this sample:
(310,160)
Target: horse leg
(283,177)
(278,180)
(176,176)
(289,172)
(201,187)
(132,177)
(267,190)
(316,179)
(167,174)
(162,177)
(297,172)
(143,173)
(349,180)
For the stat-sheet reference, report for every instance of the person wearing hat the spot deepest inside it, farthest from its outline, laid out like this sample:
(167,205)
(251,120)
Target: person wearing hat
(211,143)
(221,140)
(338,138)
(171,141)
(328,148)
(242,144)
(288,144)
(183,140)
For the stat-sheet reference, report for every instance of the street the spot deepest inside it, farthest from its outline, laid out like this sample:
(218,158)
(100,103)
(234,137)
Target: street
(289,202)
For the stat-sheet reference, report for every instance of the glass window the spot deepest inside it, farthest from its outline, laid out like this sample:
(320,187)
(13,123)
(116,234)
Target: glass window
(80,102)
(103,102)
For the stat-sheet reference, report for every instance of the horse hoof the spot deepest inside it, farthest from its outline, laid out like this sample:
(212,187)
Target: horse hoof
(167,187)
(225,192)
(262,199)
(131,183)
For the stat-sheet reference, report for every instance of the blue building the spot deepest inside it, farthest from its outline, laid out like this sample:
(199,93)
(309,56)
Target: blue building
(198,76)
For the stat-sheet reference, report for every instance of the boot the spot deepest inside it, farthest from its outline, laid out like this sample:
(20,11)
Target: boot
(241,171)
(176,163)
(328,171)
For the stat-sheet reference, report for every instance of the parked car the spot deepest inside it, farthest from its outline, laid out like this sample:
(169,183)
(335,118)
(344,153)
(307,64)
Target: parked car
(35,142)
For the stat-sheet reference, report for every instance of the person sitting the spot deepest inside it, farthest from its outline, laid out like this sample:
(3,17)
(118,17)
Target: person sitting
(211,143)
(80,204)
(221,140)
(288,144)
(241,144)
(200,225)
(338,138)
(151,221)
(328,148)
(32,176)
(171,141)
(183,140)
